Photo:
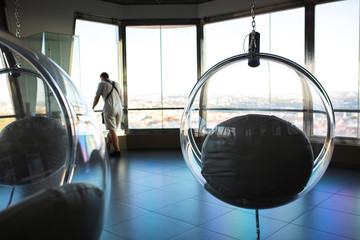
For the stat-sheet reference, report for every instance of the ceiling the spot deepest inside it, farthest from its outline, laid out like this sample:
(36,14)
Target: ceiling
(156,2)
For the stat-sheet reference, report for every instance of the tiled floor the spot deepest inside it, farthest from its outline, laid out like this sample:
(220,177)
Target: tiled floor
(154,196)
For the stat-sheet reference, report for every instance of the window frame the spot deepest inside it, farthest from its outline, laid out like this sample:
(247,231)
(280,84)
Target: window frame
(122,24)
(162,22)
(153,22)
(101,20)
(200,23)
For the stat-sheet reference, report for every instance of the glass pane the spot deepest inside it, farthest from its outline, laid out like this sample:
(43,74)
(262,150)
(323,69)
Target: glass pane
(2,64)
(36,41)
(319,123)
(286,94)
(5,121)
(145,119)
(179,65)
(239,86)
(346,124)
(58,47)
(282,33)
(337,51)
(6,106)
(287,34)
(75,70)
(172,118)
(229,38)
(167,58)
(41,98)
(99,52)
(143,67)
(216,117)
(293,117)
(337,56)
(319,115)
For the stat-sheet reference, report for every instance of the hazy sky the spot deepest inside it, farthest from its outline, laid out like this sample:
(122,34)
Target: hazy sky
(161,57)
(337,45)
(166,57)
(282,33)
(98,53)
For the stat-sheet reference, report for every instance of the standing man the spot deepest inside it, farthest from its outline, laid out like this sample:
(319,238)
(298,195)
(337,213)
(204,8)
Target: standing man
(111,94)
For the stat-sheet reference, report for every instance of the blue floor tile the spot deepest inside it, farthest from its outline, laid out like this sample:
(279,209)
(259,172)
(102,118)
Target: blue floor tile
(183,173)
(120,212)
(156,180)
(294,232)
(330,221)
(286,213)
(193,211)
(330,185)
(207,197)
(186,188)
(313,198)
(342,203)
(150,226)
(128,174)
(153,200)
(352,190)
(241,225)
(165,169)
(127,189)
(109,236)
(201,234)
(154,196)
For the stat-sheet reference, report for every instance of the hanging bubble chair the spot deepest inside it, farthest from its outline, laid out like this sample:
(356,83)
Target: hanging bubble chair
(258,130)
(54,173)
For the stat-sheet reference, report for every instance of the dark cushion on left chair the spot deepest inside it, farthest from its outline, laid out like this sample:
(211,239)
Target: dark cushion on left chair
(32,149)
(73,211)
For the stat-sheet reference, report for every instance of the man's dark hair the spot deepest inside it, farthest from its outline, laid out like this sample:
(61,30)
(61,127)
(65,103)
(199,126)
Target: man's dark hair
(104,75)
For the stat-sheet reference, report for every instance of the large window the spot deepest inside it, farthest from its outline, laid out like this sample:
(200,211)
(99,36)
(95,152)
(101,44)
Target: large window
(7,113)
(337,61)
(99,52)
(161,71)
(161,64)
(33,97)
(282,33)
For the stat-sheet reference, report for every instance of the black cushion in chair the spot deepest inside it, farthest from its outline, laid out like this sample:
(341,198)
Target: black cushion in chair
(256,161)
(31,149)
(74,211)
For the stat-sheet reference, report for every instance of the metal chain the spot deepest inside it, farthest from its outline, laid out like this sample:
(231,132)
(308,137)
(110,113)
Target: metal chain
(253,6)
(17,31)
(253,24)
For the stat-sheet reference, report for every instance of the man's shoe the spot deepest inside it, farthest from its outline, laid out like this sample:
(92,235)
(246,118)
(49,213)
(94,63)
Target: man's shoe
(115,154)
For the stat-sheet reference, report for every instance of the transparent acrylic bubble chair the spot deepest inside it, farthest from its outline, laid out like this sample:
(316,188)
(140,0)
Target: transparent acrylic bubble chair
(54,180)
(257,135)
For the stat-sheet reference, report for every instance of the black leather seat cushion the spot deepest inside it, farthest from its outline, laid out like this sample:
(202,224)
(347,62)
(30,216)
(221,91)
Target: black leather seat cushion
(32,149)
(256,161)
(73,211)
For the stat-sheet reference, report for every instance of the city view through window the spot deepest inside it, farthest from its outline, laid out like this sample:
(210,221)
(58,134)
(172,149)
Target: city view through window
(162,66)
(98,52)
(161,71)
(6,107)
(337,60)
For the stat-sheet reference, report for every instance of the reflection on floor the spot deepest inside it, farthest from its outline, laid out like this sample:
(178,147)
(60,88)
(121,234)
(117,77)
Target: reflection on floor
(154,196)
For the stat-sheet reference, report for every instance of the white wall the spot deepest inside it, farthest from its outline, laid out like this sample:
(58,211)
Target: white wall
(220,7)
(160,12)
(58,15)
